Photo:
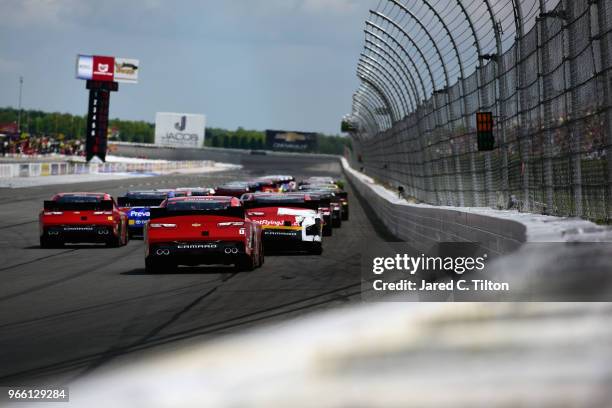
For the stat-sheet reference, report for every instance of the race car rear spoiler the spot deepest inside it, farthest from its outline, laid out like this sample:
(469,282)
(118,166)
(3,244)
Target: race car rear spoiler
(104,205)
(342,194)
(162,212)
(138,202)
(310,204)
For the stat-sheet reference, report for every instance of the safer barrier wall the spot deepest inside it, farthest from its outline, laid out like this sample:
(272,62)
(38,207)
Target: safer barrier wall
(424,226)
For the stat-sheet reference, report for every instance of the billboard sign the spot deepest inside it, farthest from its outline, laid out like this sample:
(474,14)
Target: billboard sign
(179,129)
(84,67)
(126,70)
(291,141)
(109,69)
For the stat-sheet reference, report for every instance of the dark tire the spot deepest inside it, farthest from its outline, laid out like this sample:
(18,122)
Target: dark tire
(114,242)
(246,265)
(45,242)
(327,230)
(157,266)
(337,223)
(262,257)
(316,249)
(345,215)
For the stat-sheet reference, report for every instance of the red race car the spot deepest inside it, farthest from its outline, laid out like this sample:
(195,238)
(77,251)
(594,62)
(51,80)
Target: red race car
(82,217)
(202,230)
(234,189)
(289,220)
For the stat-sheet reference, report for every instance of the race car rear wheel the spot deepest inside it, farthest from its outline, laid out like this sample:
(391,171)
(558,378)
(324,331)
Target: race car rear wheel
(119,240)
(345,215)
(45,242)
(114,242)
(327,230)
(157,266)
(316,248)
(246,265)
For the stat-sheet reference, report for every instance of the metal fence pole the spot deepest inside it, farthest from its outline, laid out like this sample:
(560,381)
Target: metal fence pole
(575,133)
(604,12)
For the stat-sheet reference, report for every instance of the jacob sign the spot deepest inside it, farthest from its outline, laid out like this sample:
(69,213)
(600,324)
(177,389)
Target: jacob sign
(179,129)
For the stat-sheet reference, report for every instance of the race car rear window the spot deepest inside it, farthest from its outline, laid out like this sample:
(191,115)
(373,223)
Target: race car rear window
(147,196)
(79,199)
(196,206)
(279,198)
(233,186)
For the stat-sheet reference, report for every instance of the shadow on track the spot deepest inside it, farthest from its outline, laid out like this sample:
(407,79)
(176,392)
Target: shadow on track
(70,246)
(90,362)
(186,270)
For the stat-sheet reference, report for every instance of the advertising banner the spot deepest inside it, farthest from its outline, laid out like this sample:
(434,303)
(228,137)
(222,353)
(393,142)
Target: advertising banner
(8,127)
(84,67)
(179,129)
(291,141)
(103,68)
(126,70)
(108,69)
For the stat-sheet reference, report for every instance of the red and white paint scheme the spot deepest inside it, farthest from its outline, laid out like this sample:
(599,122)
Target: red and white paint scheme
(201,230)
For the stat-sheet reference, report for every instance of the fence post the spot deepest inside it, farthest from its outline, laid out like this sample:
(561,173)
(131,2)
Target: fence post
(545,103)
(503,116)
(574,134)
(470,144)
(458,175)
(447,175)
(606,84)
(523,141)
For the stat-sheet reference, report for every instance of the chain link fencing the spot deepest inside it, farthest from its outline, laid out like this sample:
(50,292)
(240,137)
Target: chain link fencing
(551,95)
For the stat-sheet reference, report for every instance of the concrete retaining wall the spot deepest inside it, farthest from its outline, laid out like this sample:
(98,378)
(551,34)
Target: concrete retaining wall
(10,170)
(424,226)
(234,156)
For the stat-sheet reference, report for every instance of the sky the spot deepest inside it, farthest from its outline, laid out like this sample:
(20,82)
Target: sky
(259,64)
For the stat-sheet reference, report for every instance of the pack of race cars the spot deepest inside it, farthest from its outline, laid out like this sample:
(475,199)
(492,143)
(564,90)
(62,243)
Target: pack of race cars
(231,224)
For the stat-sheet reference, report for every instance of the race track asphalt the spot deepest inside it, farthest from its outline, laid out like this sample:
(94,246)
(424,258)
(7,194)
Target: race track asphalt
(64,313)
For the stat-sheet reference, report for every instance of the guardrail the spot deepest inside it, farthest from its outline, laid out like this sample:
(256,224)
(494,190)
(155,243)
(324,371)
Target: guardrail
(68,168)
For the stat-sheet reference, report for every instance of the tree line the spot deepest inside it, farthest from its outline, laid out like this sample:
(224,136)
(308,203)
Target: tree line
(68,126)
